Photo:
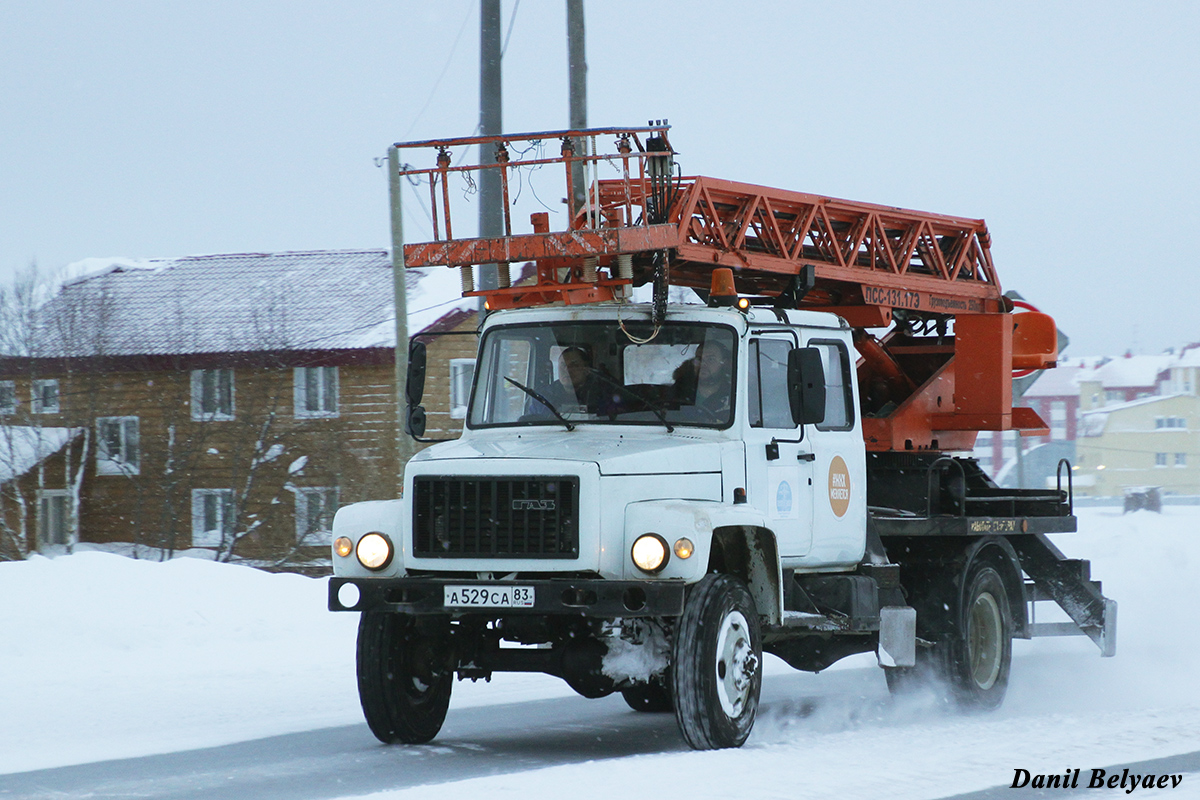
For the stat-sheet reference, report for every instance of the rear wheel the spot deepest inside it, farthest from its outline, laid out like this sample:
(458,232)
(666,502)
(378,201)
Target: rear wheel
(404,677)
(971,660)
(980,652)
(717,655)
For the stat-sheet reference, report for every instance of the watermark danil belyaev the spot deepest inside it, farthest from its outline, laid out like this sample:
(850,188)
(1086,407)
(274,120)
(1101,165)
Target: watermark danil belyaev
(1097,779)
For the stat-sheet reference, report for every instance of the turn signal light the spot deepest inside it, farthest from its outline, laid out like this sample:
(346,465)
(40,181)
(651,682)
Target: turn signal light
(343,546)
(684,548)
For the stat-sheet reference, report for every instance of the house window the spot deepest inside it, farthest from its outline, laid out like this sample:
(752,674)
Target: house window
(1058,419)
(1181,459)
(52,516)
(1160,459)
(212,394)
(314,514)
(118,448)
(8,397)
(462,374)
(316,391)
(212,516)
(45,397)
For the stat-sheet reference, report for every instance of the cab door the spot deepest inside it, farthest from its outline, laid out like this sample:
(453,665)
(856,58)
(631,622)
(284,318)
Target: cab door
(779,463)
(839,465)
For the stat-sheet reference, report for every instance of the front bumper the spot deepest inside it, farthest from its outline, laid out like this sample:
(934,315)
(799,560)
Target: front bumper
(567,597)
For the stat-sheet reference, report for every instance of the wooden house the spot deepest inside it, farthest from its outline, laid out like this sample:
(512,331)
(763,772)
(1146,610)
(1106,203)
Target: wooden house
(228,402)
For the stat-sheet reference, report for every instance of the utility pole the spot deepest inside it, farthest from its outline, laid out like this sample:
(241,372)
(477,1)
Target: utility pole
(405,447)
(491,215)
(577,79)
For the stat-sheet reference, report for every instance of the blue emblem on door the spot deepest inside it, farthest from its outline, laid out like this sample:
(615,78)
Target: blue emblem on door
(783,498)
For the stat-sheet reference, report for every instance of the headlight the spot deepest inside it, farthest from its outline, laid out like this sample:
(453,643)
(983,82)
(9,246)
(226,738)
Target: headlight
(374,551)
(343,546)
(650,552)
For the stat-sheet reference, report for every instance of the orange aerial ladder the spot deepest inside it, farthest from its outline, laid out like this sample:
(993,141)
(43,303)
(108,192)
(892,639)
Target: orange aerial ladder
(937,340)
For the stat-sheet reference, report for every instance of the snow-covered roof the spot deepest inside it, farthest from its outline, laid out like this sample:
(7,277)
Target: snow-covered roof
(1062,381)
(1141,401)
(1091,423)
(1188,358)
(1130,372)
(242,302)
(23,447)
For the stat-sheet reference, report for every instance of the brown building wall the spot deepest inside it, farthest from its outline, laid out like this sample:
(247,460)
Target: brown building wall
(250,453)
(441,351)
(354,451)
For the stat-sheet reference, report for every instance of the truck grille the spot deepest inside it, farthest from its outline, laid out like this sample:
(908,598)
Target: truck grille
(483,516)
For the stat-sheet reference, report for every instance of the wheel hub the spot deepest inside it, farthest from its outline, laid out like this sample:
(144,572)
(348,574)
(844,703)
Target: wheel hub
(736,663)
(984,640)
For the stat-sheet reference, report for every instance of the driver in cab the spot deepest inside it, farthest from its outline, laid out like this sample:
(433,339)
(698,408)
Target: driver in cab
(702,383)
(574,389)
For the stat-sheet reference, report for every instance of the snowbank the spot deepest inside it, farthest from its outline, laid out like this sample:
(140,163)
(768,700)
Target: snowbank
(106,657)
(109,657)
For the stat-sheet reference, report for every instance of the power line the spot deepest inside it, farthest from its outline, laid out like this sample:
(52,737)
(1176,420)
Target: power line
(445,67)
(508,34)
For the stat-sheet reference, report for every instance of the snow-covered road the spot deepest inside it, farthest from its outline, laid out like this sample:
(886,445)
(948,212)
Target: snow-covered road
(105,658)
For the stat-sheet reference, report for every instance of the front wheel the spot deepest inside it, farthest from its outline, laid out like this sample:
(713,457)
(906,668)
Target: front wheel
(716,665)
(404,677)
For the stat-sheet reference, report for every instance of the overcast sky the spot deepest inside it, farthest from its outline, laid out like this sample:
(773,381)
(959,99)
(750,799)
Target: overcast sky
(162,128)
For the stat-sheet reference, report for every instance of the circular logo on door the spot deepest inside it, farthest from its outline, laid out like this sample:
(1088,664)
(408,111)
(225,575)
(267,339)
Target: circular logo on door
(839,486)
(783,499)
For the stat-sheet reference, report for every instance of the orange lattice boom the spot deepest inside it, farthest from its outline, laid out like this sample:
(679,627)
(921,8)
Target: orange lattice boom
(871,264)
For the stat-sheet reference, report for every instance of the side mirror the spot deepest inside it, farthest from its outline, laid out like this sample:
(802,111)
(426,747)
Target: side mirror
(806,385)
(414,421)
(414,389)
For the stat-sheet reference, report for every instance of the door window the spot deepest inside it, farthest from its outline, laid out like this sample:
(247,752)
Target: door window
(768,394)
(839,411)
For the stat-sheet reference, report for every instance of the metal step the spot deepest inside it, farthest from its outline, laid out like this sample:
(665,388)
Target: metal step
(1067,581)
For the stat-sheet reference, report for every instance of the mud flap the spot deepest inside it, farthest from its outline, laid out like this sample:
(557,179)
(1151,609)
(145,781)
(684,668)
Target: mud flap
(897,636)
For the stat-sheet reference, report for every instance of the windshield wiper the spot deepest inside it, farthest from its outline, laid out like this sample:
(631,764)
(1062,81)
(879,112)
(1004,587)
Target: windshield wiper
(541,400)
(658,412)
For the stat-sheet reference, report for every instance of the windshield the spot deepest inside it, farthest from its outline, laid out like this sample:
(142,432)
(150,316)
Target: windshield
(593,372)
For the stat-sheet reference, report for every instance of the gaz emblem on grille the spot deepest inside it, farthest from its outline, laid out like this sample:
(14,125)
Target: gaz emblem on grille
(533,505)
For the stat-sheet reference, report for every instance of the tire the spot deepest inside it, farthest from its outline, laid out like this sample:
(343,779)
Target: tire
(979,655)
(971,660)
(716,664)
(404,678)
(651,698)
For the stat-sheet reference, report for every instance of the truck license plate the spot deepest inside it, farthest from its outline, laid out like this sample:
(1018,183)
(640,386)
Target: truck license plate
(489,596)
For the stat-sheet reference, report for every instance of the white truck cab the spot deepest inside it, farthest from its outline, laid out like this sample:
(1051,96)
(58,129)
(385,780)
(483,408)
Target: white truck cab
(634,455)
